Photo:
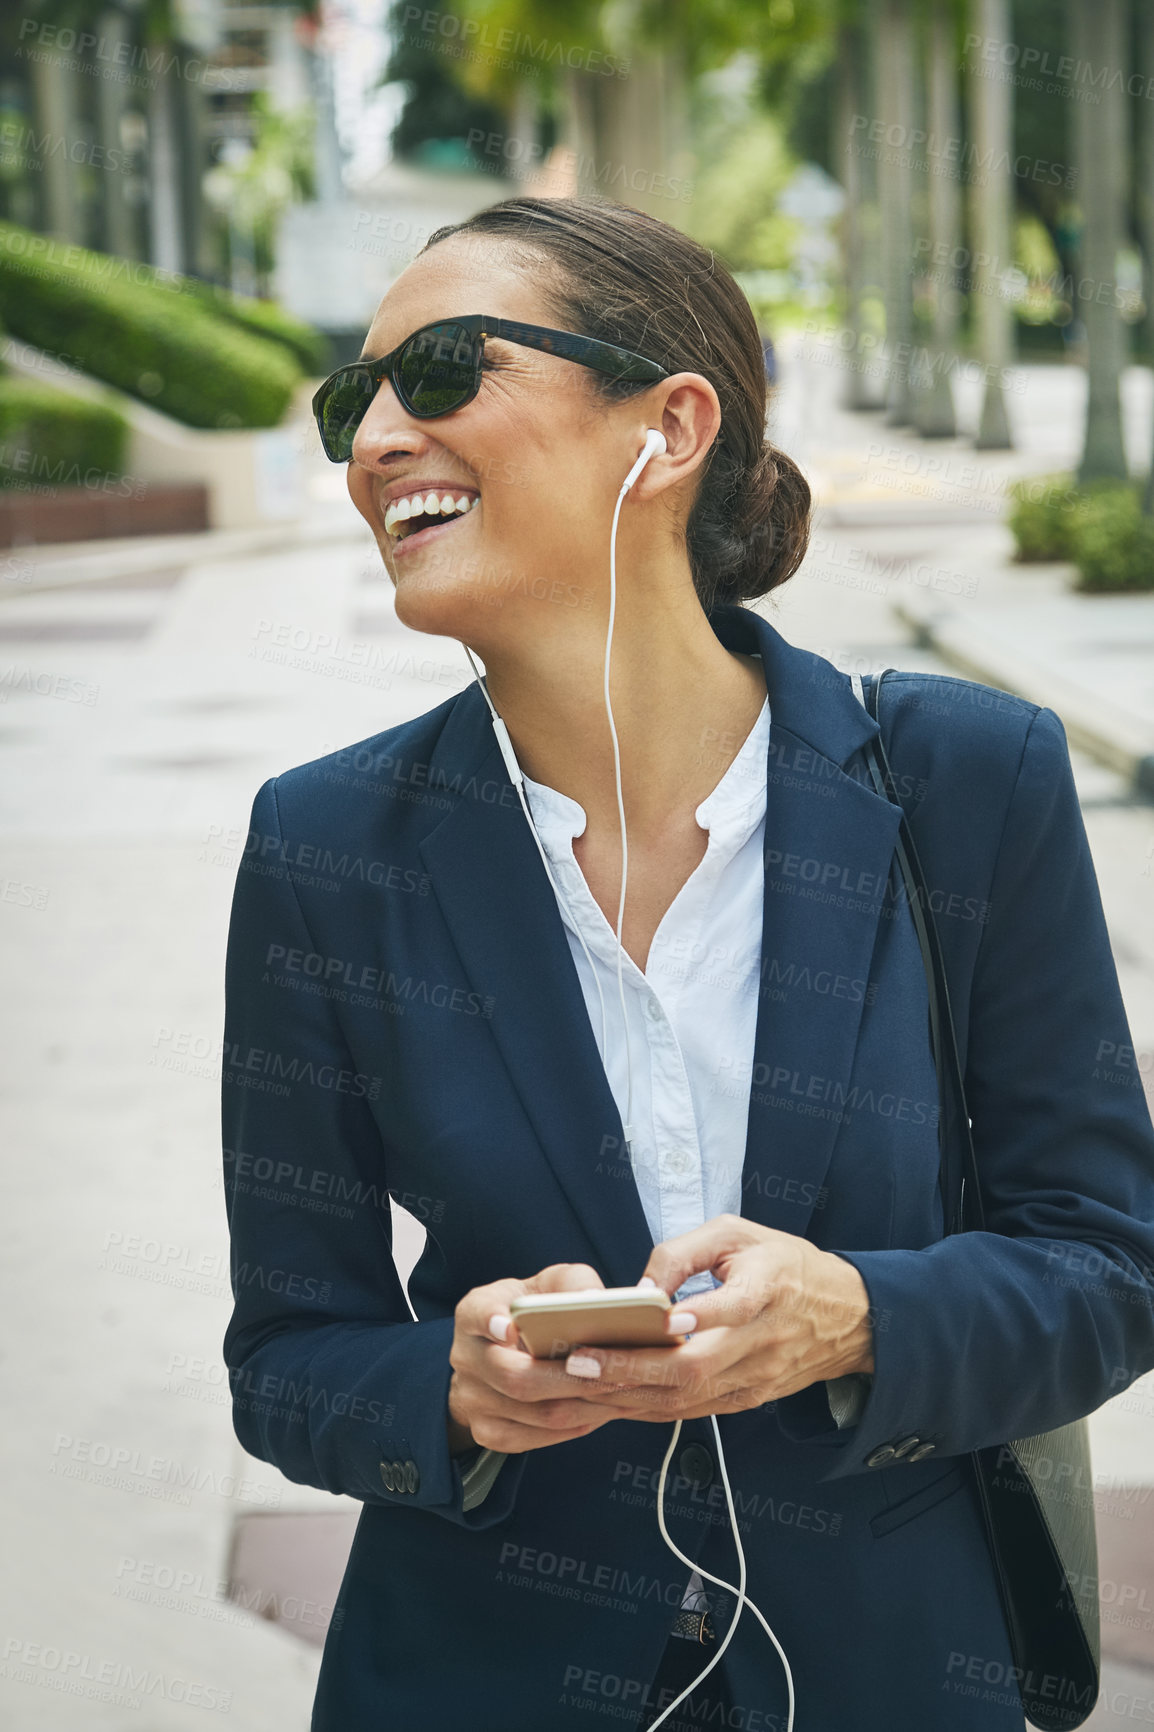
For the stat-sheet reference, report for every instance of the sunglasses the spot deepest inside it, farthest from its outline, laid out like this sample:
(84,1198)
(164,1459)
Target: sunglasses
(438,369)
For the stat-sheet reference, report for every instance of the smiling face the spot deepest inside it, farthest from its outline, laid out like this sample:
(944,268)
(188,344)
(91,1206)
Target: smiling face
(523,478)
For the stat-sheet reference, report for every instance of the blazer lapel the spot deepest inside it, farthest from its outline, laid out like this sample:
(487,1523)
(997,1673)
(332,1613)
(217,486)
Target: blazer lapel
(502,913)
(829,841)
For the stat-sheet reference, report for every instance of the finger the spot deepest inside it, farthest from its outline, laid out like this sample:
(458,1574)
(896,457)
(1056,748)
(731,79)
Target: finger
(556,1278)
(484,1311)
(563,1278)
(510,1437)
(737,1401)
(522,1378)
(639,1368)
(554,1413)
(701,1249)
(749,1285)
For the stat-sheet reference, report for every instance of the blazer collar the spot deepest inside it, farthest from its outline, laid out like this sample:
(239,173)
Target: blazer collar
(827,835)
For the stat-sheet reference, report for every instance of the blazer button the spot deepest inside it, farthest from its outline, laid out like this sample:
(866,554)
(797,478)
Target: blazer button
(881,1456)
(904,1447)
(412,1477)
(387,1475)
(926,1449)
(696,1464)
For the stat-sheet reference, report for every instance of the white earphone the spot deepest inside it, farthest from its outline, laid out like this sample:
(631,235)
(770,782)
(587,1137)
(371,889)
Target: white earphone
(654,442)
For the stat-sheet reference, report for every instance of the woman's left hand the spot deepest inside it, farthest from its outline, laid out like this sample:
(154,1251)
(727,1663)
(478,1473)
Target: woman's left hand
(785,1316)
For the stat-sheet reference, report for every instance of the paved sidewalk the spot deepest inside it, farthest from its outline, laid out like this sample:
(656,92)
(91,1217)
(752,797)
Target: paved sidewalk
(1022,628)
(210,664)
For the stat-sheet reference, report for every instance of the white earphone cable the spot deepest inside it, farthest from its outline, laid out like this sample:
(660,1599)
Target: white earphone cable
(653,442)
(742,1600)
(628,1126)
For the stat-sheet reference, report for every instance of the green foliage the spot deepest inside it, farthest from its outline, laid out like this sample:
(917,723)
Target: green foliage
(1045,120)
(1112,541)
(1041,516)
(47,438)
(1100,528)
(152,338)
(310,347)
(734,206)
(443,97)
(249,195)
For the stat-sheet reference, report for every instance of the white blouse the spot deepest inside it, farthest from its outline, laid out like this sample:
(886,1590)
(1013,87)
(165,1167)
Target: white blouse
(692,1017)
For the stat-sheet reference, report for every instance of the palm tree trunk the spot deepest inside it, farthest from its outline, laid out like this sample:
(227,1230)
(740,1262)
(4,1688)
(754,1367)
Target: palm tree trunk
(631,153)
(523,125)
(165,225)
(1099,36)
(1144,177)
(934,417)
(859,214)
(53,85)
(991,125)
(895,185)
(577,132)
(119,231)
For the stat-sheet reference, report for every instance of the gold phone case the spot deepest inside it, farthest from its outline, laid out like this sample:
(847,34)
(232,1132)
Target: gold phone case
(551,1331)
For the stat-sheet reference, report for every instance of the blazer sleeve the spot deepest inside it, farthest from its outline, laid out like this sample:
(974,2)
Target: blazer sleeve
(987,1336)
(333,1381)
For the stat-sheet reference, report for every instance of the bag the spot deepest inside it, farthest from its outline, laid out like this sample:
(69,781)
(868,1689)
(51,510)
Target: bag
(1036,1492)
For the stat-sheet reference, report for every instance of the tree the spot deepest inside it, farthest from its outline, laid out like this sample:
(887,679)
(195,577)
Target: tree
(859,222)
(895,181)
(991,205)
(934,402)
(1144,176)
(1098,32)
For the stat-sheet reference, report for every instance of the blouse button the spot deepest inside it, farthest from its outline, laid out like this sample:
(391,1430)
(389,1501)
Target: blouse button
(677,1161)
(653,1010)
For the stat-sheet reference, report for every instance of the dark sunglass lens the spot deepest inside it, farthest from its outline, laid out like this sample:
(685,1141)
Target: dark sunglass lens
(342,410)
(437,369)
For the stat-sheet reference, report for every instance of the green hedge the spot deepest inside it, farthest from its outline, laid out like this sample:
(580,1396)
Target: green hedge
(1041,516)
(50,440)
(309,347)
(152,337)
(1112,541)
(1101,529)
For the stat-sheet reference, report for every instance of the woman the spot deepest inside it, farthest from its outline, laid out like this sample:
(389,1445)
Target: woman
(439,1020)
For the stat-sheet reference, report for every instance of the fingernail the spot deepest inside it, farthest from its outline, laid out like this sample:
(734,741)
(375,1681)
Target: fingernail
(682,1322)
(580,1366)
(647,1281)
(498,1326)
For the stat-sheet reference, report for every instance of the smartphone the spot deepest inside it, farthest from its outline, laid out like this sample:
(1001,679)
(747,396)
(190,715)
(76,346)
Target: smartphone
(551,1324)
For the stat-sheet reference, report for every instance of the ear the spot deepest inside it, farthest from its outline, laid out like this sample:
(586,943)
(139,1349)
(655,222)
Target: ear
(686,410)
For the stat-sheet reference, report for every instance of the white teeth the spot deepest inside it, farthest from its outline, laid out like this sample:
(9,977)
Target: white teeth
(427,504)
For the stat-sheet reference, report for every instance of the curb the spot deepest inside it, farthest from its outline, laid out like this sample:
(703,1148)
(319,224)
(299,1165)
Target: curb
(71,565)
(1107,733)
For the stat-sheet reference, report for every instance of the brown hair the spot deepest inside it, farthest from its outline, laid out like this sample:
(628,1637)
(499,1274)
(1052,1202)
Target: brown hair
(625,277)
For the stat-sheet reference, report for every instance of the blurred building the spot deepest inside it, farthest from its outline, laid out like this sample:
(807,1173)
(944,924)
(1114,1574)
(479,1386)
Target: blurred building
(111,117)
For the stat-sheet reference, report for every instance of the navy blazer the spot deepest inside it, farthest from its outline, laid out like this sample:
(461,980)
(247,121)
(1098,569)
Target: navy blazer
(404,1019)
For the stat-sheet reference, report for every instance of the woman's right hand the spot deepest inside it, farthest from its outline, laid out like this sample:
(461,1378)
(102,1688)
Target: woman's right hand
(500,1397)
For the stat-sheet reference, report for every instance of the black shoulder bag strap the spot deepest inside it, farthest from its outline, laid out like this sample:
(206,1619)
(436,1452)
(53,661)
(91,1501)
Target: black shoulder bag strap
(958,1177)
(1036,1492)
